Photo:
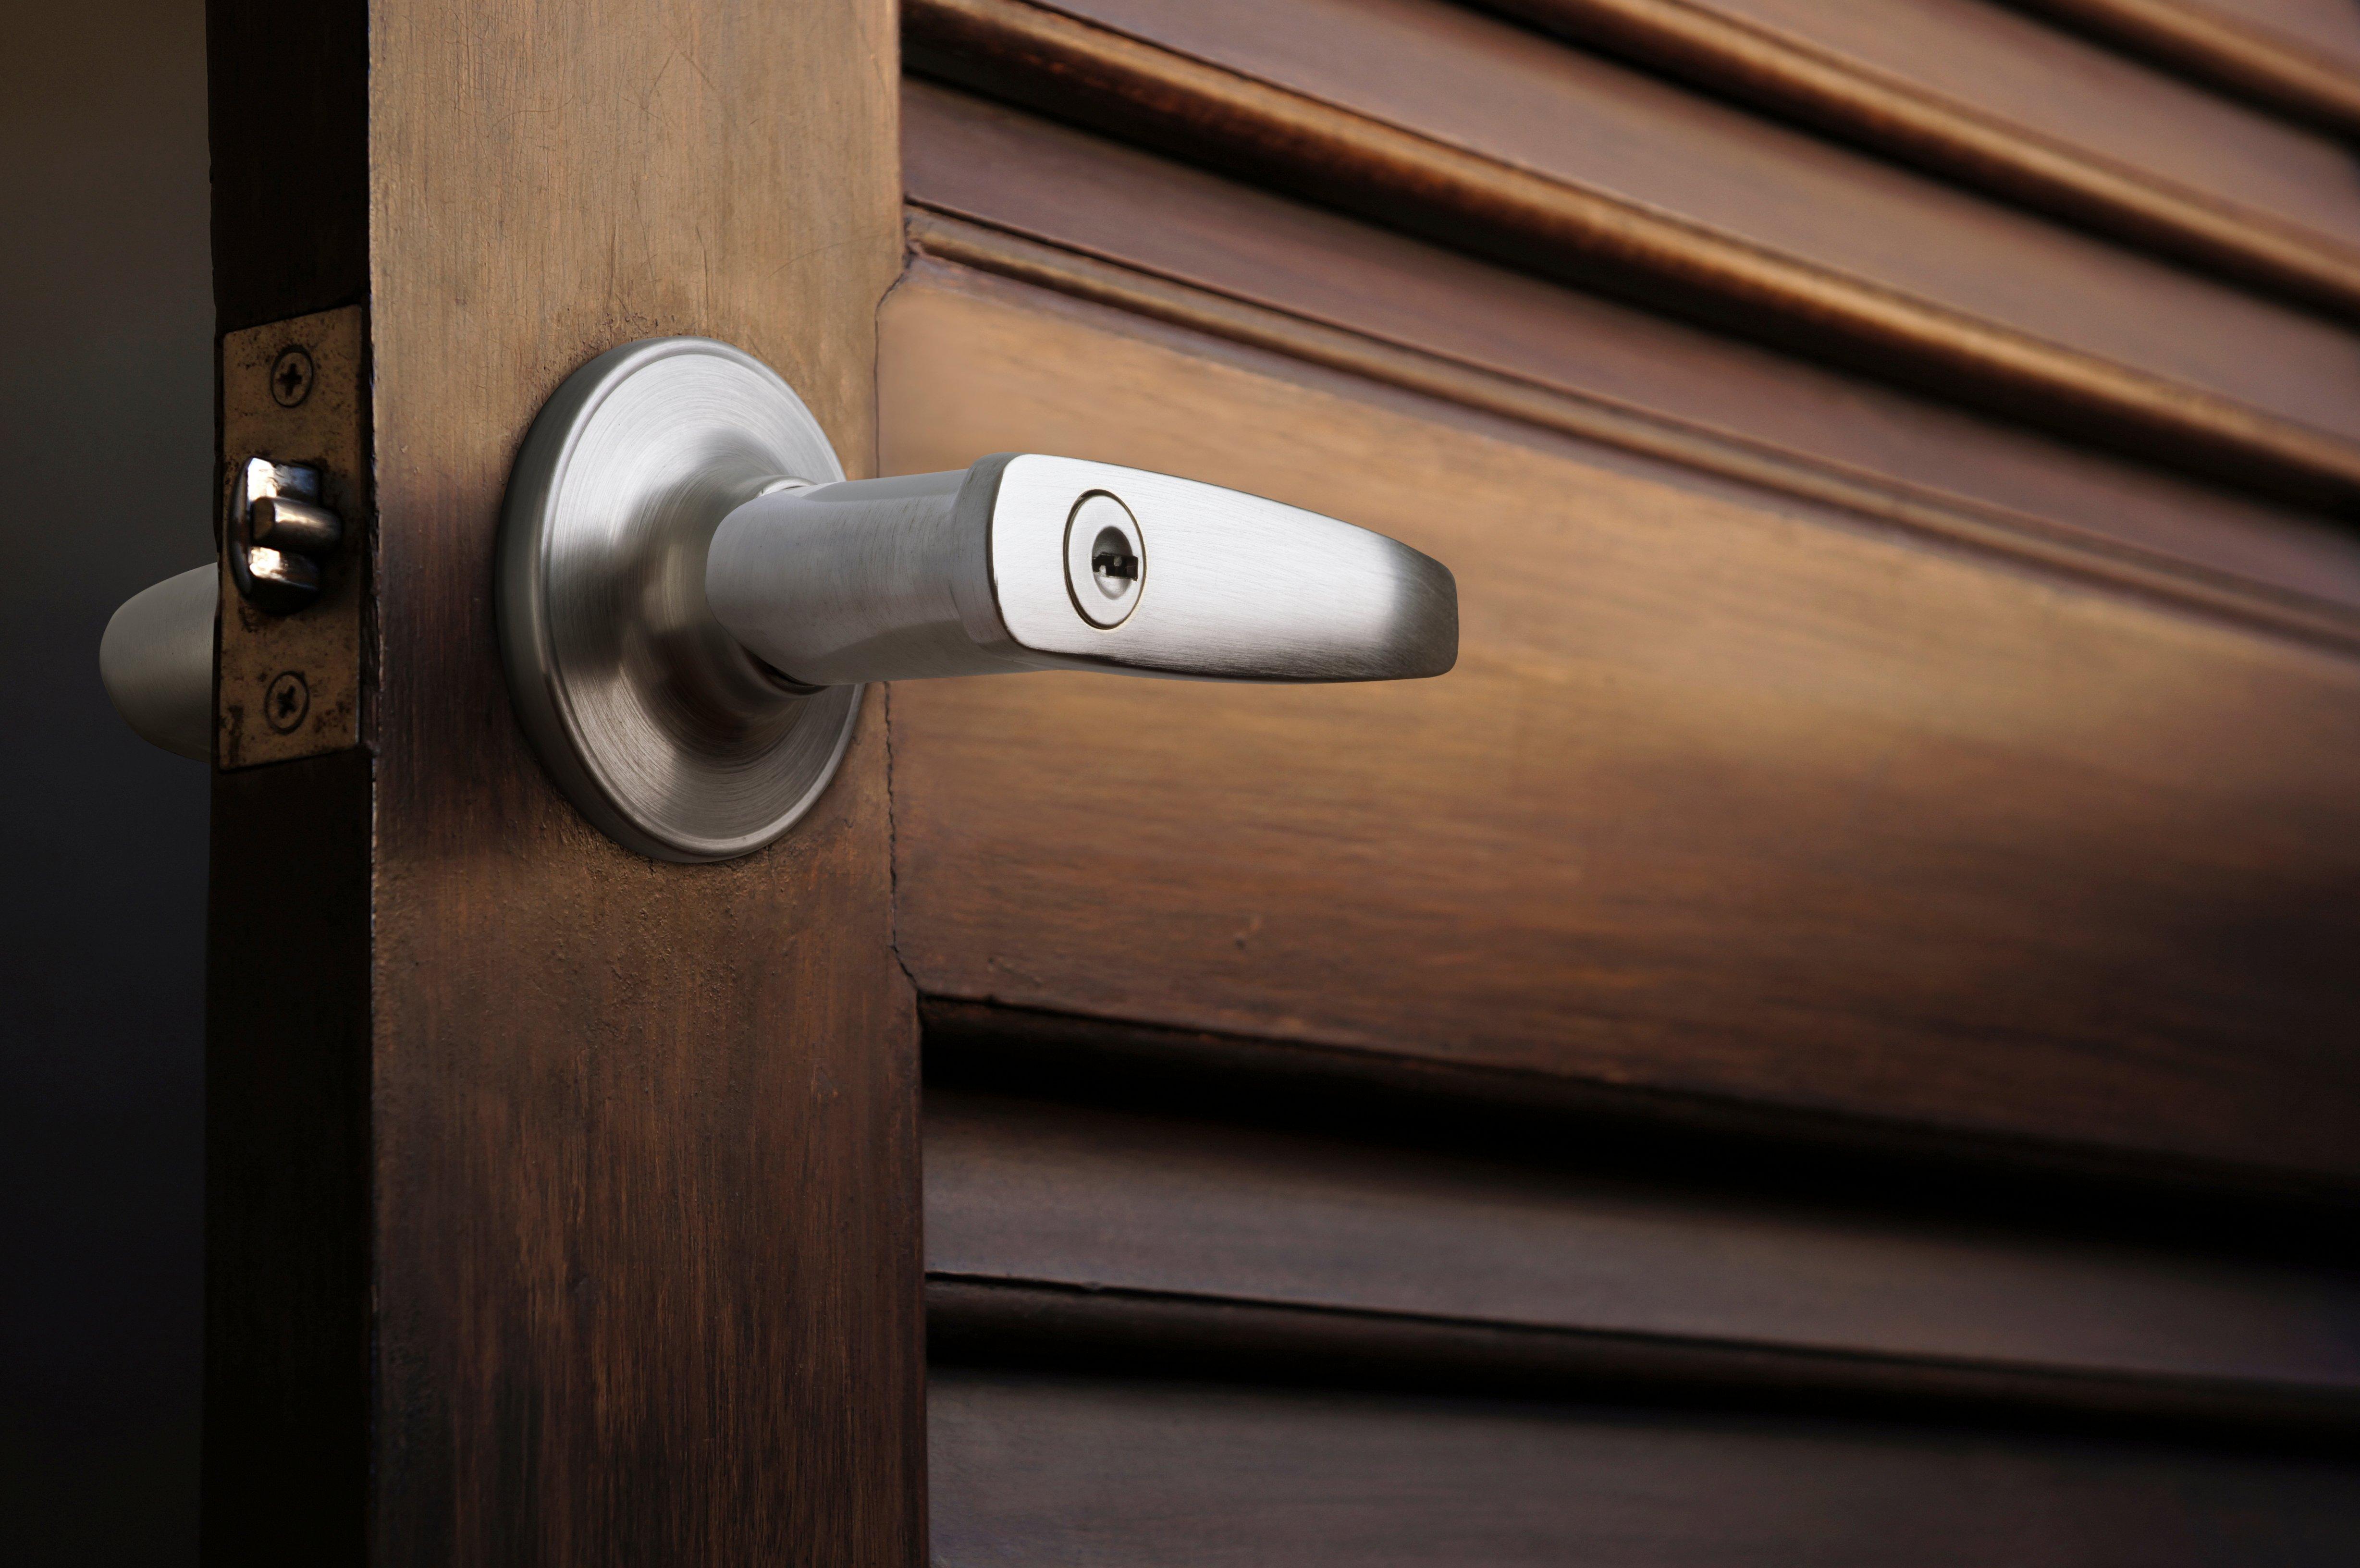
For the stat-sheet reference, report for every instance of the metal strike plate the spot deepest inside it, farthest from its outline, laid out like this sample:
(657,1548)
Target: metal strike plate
(290,685)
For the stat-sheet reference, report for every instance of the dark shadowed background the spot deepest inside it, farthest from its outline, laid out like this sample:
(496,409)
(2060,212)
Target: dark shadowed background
(105,431)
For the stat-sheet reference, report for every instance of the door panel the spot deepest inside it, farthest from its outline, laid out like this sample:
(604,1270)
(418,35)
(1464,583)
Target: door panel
(1029,1193)
(1826,1035)
(1046,1469)
(1773,806)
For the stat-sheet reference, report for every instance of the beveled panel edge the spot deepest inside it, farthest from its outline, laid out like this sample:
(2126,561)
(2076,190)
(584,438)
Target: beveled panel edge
(2024,538)
(976,1043)
(1028,53)
(1887,113)
(1071,1325)
(2250,59)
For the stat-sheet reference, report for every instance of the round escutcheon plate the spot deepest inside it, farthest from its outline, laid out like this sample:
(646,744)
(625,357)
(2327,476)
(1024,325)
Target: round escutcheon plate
(665,731)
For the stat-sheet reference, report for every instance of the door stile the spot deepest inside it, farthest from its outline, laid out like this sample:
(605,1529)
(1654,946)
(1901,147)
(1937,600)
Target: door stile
(562,1205)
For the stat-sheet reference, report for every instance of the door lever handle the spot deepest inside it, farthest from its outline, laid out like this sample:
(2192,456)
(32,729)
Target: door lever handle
(1031,562)
(691,595)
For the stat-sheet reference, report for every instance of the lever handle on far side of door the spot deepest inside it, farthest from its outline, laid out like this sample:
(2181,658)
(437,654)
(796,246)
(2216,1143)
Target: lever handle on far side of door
(691,594)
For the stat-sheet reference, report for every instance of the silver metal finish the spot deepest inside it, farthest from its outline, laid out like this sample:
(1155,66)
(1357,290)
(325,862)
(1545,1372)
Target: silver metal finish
(300,528)
(692,594)
(1032,562)
(156,660)
(277,534)
(1106,560)
(661,727)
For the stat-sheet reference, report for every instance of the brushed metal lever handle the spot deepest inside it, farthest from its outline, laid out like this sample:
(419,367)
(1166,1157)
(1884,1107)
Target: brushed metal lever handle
(691,594)
(1030,562)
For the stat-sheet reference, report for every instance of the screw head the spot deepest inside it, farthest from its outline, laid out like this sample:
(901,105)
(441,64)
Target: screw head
(291,377)
(286,701)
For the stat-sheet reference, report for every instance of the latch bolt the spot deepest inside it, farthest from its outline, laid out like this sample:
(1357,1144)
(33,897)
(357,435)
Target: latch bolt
(278,534)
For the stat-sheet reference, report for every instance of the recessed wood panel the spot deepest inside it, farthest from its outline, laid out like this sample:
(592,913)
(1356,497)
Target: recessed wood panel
(1023,1192)
(1724,798)
(1072,1471)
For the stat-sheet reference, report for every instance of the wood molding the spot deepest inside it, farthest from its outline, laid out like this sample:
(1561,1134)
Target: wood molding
(1292,1208)
(1776,1150)
(2035,540)
(1108,1329)
(2253,60)
(1078,70)
(1889,115)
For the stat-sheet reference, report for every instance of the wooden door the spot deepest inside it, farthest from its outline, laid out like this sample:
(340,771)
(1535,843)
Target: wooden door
(1829,1037)
(562,1205)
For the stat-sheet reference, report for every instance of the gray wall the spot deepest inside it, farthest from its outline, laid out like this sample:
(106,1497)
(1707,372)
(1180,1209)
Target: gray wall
(105,431)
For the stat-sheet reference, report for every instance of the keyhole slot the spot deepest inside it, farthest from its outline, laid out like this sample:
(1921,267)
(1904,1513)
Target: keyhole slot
(1106,560)
(1112,563)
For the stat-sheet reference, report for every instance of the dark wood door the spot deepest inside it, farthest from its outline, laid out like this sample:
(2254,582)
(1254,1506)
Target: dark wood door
(1829,1037)
(562,1205)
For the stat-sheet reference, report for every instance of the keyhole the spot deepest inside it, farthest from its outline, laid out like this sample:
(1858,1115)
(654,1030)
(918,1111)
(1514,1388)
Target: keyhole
(1106,560)
(1112,563)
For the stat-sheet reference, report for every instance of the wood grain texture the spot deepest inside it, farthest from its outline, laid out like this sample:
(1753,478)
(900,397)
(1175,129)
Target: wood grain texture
(1723,799)
(2055,83)
(1424,317)
(1460,127)
(633,1162)
(647,1192)
(1070,1470)
(1022,1192)
(2025,112)
(2300,58)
